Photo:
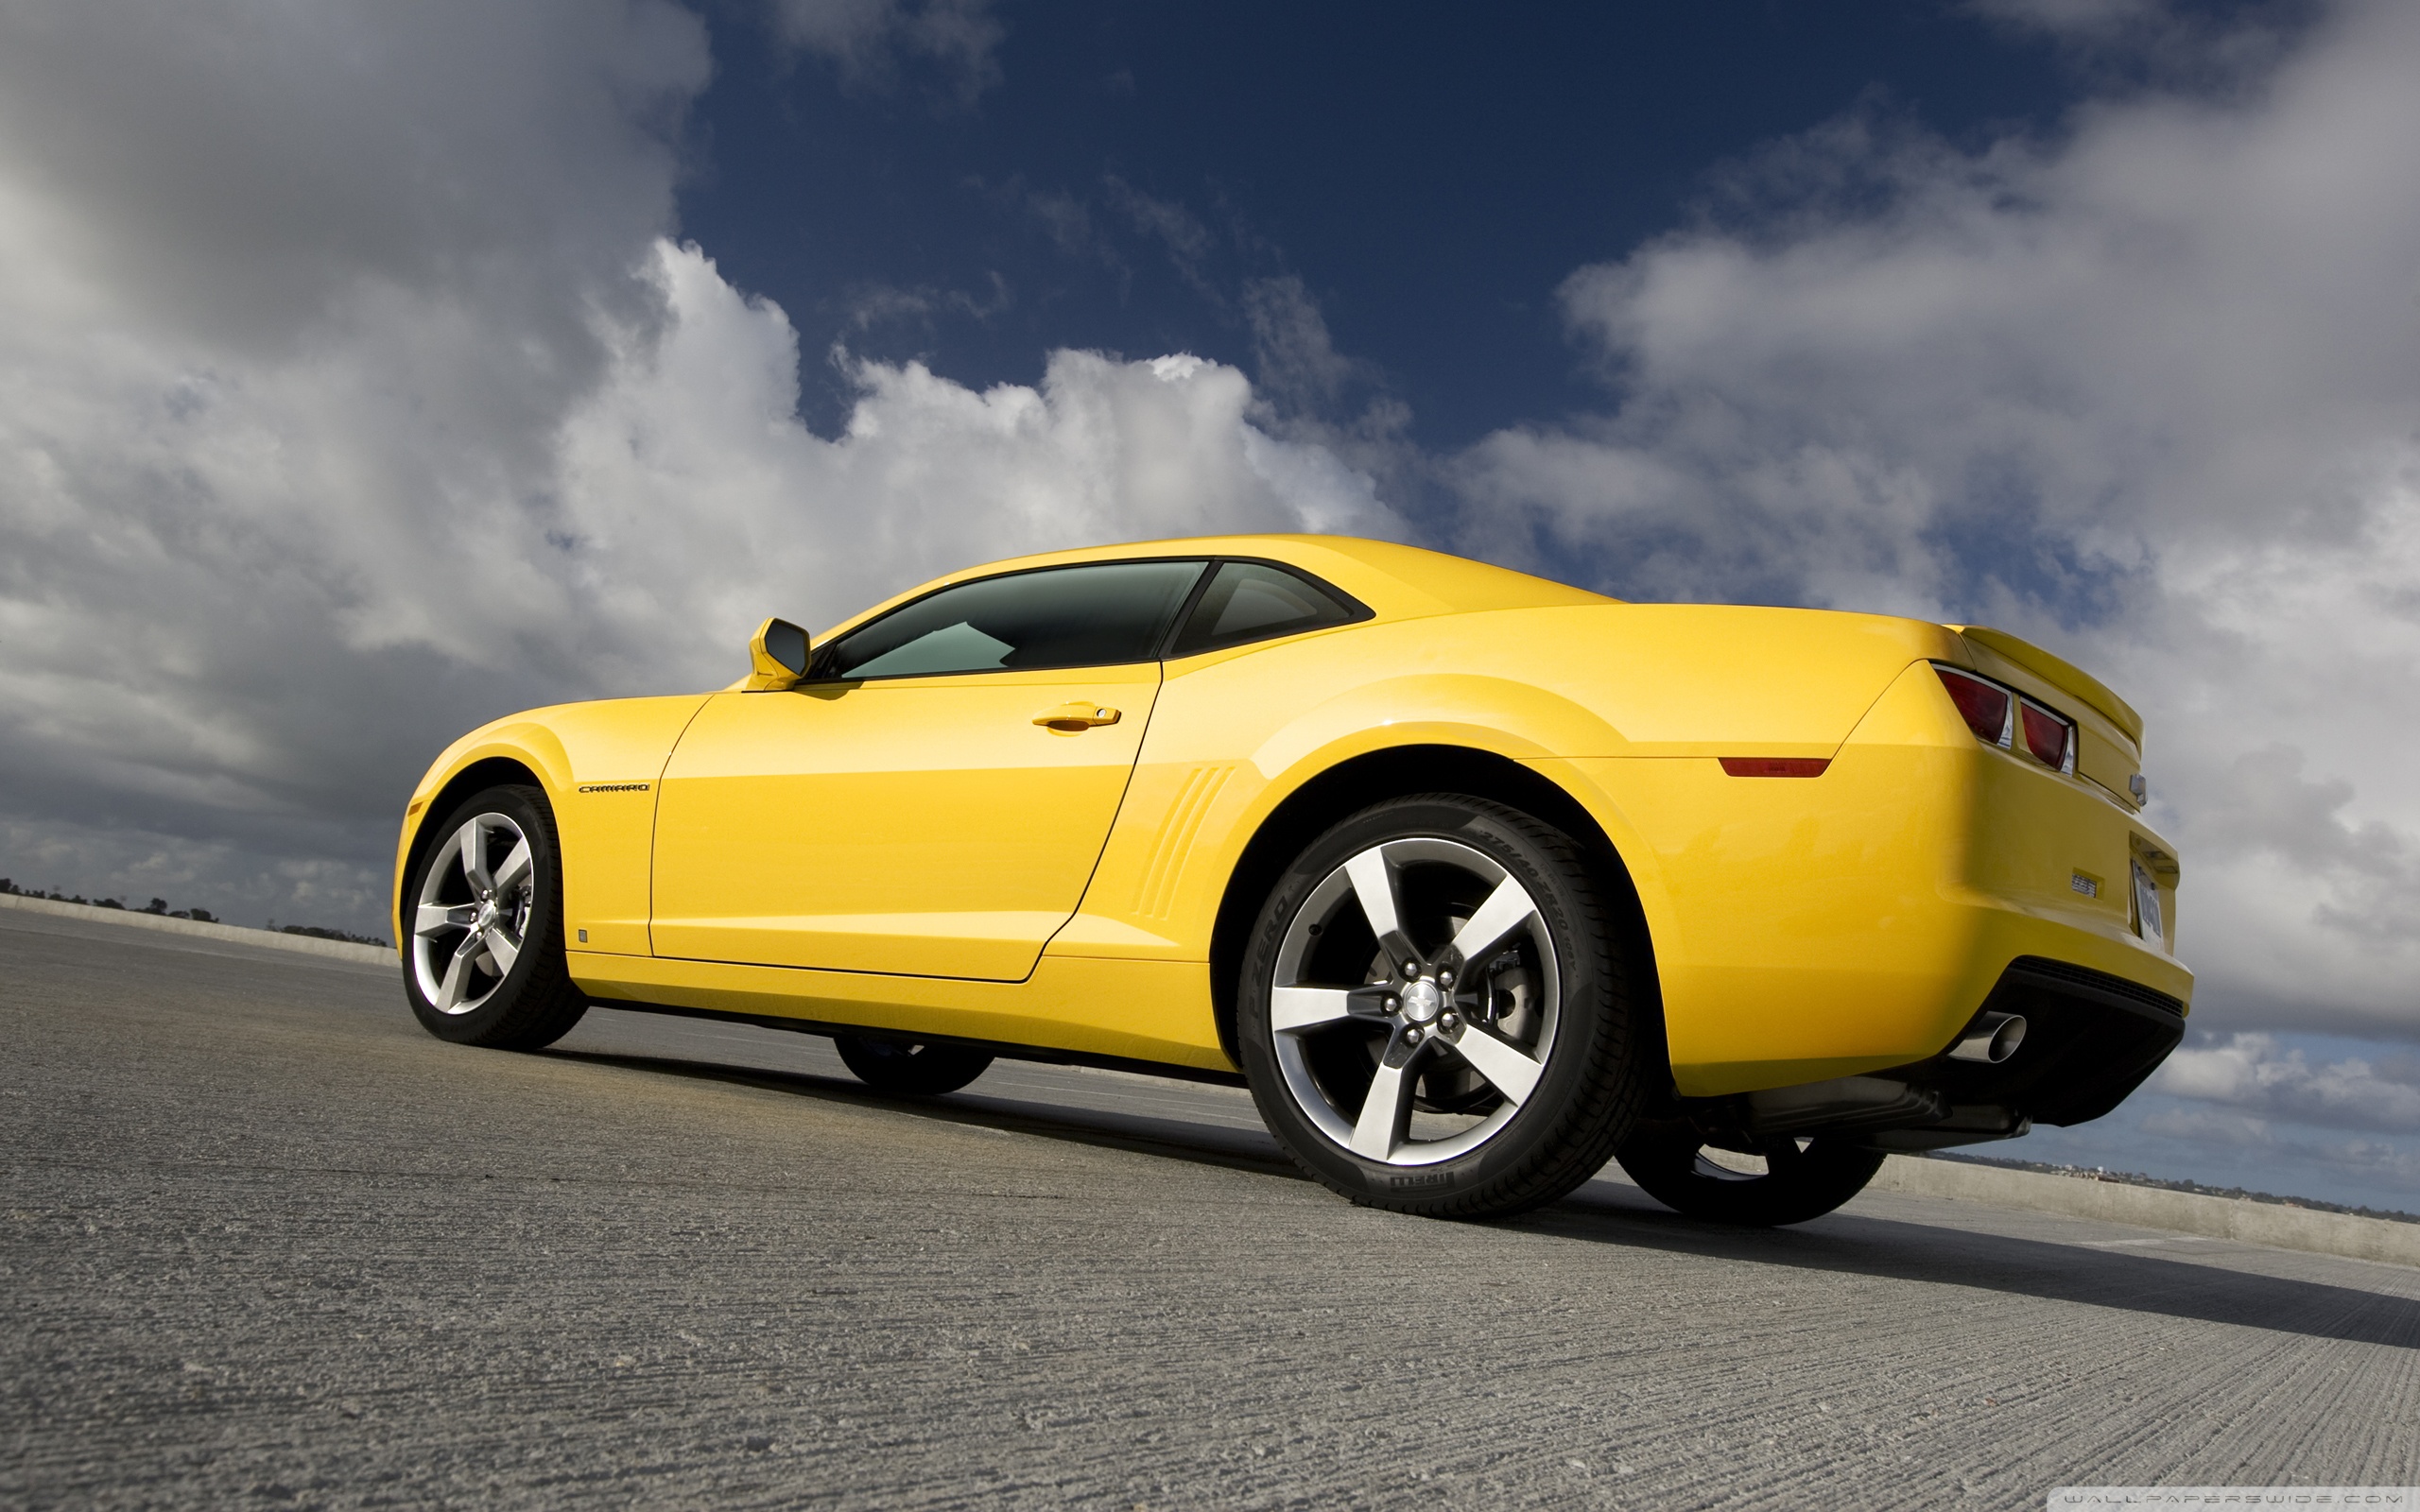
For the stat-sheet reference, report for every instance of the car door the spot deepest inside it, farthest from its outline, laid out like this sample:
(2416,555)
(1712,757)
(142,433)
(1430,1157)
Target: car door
(932,799)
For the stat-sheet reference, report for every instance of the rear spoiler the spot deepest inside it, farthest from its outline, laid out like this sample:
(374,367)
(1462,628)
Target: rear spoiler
(2067,677)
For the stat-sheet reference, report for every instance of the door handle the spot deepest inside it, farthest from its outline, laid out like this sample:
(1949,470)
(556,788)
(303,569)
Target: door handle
(1070,718)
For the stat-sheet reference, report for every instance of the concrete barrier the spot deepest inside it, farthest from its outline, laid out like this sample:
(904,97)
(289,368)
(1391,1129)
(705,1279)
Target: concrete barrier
(2185,1213)
(273,940)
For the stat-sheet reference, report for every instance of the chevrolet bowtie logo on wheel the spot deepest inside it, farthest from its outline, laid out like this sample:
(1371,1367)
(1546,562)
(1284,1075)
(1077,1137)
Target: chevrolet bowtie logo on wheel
(1475,879)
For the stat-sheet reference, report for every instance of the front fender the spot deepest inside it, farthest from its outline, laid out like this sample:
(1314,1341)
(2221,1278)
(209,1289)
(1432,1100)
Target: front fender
(519,739)
(600,766)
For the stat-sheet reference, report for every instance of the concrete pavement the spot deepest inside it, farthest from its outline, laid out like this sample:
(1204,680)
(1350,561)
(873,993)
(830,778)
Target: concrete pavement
(267,1241)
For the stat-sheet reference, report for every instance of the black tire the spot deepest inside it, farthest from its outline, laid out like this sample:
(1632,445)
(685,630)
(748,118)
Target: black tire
(910,1069)
(533,1003)
(1568,1013)
(1803,1178)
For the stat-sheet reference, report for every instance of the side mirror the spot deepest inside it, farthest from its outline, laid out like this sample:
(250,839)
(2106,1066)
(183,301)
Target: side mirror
(777,656)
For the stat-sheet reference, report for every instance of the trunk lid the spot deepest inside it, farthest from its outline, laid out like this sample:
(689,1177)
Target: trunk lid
(2110,748)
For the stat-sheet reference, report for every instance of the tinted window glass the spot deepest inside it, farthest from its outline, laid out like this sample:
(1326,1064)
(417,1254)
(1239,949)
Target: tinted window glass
(1249,602)
(1095,615)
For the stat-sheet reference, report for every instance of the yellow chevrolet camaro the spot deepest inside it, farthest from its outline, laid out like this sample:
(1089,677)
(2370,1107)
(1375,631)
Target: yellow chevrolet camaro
(1475,879)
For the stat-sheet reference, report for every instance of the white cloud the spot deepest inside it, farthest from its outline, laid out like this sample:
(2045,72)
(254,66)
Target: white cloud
(868,38)
(2254,1074)
(2257,1153)
(1296,363)
(291,303)
(2145,391)
(2093,19)
(237,882)
(1187,241)
(699,500)
(2202,1127)
(436,423)
(2115,40)
(2372,1162)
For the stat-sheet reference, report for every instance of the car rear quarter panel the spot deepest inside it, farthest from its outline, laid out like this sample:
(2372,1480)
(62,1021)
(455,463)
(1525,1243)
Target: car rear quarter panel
(1804,928)
(1236,733)
(1825,926)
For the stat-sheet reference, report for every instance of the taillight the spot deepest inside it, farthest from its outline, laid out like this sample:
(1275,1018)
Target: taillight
(2050,738)
(1984,706)
(2012,722)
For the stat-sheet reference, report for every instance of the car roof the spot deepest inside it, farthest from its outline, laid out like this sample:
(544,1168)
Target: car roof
(1398,582)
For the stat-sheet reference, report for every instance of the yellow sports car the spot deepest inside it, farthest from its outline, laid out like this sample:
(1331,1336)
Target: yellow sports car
(1475,879)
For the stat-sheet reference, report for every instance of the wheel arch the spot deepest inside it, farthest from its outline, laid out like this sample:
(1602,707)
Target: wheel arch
(476,777)
(1399,771)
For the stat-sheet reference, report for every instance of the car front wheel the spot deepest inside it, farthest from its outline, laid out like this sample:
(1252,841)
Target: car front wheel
(1435,1014)
(483,963)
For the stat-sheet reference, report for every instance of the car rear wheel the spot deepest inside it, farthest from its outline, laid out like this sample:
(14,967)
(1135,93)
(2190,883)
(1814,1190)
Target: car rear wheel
(484,958)
(1434,1013)
(910,1070)
(1762,1184)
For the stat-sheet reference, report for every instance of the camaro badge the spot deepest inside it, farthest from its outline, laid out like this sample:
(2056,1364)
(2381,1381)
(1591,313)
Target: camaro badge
(612,787)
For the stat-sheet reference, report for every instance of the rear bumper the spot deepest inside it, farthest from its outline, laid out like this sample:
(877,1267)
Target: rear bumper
(2090,1039)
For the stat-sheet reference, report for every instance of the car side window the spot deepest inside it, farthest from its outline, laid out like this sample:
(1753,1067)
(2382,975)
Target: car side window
(1095,614)
(1252,601)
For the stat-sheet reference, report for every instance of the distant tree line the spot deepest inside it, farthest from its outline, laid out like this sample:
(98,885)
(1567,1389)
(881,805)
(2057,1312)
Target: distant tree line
(159,907)
(2132,1178)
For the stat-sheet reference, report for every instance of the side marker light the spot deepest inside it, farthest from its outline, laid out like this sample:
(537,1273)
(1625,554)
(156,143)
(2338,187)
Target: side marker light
(1775,766)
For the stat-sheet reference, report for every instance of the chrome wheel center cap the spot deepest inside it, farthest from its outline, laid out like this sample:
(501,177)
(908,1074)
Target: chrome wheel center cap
(1422,1001)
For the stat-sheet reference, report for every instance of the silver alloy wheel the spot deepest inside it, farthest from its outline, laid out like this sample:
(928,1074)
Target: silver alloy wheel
(1718,1162)
(474,913)
(1453,1014)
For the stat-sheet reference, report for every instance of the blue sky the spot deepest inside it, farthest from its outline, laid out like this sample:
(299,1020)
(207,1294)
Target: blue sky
(369,372)
(1120,173)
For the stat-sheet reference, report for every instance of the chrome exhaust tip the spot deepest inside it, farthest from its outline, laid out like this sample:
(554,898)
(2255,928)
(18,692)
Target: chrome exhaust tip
(1991,1038)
